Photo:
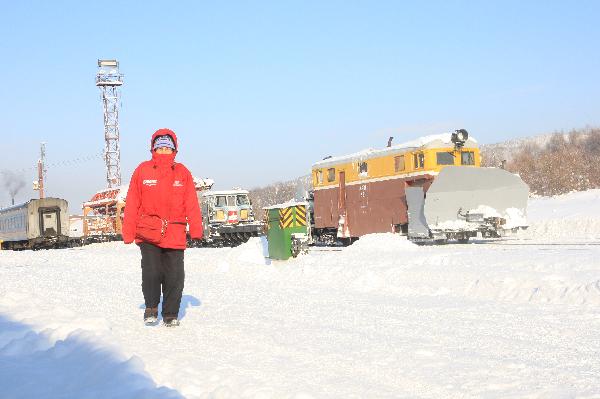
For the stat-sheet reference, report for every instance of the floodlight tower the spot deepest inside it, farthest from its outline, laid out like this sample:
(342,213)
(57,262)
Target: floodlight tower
(110,80)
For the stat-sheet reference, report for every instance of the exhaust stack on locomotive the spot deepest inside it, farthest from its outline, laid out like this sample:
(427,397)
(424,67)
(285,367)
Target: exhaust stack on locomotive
(432,188)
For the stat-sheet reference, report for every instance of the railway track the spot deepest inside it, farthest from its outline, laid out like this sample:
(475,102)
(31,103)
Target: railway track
(575,246)
(546,244)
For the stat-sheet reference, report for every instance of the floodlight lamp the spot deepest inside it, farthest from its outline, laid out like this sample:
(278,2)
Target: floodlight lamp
(462,134)
(108,63)
(459,137)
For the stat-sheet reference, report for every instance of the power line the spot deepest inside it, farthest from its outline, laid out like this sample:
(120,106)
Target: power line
(60,163)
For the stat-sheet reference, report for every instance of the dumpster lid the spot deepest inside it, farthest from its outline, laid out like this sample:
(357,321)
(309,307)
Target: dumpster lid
(287,204)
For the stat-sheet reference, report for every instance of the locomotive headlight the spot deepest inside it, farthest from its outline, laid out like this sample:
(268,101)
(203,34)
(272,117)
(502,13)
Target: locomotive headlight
(462,135)
(459,137)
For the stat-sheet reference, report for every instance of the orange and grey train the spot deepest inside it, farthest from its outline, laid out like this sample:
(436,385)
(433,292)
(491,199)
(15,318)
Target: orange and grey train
(432,188)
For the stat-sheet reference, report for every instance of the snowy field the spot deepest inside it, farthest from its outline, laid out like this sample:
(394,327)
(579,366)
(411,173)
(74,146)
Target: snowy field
(517,318)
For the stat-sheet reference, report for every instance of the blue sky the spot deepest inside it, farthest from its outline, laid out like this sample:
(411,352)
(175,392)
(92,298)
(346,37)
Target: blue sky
(258,91)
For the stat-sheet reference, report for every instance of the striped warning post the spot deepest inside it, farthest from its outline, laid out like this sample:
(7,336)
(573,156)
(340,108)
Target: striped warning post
(300,216)
(285,217)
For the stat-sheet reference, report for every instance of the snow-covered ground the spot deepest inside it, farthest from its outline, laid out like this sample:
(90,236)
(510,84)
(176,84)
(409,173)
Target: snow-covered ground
(517,318)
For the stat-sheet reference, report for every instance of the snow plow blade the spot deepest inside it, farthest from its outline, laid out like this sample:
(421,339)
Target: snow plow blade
(462,201)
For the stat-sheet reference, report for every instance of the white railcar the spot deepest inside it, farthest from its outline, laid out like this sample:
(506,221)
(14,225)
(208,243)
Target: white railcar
(38,223)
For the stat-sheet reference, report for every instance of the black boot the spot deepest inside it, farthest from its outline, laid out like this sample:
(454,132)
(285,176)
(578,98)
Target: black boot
(170,322)
(150,316)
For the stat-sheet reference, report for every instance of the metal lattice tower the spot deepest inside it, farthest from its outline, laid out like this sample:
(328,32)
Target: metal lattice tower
(110,80)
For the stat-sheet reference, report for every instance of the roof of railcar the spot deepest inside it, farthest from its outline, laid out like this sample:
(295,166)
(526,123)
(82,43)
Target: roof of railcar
(25,204)
(224,192)
(287,204)
(433,141)
(15,207)
(115,194)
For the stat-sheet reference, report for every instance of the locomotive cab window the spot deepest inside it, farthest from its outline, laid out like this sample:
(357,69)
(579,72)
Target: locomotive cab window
(419,159)
(467,158)
(221,201)
(363,168)
(231,200)
(331,174)
(445,158)
(319,176)
(399,163)
(242,200)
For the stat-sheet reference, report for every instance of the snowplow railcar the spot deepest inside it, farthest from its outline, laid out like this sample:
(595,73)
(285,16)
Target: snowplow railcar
(227,218)
(366,192)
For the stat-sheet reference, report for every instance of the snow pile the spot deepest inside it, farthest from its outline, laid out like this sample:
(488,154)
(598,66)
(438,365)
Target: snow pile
(381,243)
(291,202)
(515,218)
(574,216)
(255,251)
(445,138)
(68,362)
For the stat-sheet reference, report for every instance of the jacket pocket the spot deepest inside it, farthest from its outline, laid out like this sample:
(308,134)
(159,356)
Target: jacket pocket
(150,228)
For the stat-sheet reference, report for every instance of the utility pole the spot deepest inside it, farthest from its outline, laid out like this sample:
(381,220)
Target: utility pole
(39,184)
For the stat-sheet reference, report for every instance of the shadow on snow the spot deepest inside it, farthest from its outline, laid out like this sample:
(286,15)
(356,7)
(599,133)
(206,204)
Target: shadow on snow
(187,301)
(33,366)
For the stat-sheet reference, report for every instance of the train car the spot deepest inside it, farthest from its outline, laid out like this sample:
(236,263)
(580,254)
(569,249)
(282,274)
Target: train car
(390,190)
(38,223)
(102,215)
(227,218)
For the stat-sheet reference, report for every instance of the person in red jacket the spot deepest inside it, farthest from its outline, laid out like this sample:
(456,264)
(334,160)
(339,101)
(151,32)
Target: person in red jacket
(162,193)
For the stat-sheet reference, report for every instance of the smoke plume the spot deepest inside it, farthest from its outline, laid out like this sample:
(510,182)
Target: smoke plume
(12,182)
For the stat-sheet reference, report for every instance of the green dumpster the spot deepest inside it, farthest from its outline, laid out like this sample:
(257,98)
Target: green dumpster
(285,220)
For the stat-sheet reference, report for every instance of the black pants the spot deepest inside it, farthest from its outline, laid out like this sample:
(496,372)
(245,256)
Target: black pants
(162,266)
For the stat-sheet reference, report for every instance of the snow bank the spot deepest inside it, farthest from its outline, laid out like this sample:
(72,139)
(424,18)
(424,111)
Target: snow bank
(255,251)
(46,364)
(573,216)
(381,243)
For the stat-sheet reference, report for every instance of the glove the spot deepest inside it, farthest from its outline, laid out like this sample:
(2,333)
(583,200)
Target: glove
(127,239)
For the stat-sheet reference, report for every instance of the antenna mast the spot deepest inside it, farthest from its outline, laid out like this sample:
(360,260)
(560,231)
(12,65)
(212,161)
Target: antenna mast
(39,184)
(110,80)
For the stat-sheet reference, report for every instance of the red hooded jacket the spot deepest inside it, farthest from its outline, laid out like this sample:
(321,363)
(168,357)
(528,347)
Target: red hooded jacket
(166,188)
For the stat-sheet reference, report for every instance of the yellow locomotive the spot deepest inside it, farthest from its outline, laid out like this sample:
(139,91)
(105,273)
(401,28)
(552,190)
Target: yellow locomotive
(430,188)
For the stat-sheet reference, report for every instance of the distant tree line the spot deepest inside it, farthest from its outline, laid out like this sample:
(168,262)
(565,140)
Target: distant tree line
(278,193)
(566,162)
